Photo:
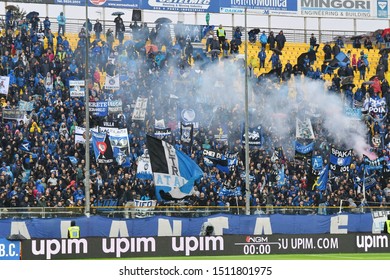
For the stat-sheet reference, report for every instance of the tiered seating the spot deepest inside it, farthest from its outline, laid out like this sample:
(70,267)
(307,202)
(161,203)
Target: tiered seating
(292,51)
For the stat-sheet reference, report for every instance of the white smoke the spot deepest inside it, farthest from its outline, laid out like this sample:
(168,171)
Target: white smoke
(273,105)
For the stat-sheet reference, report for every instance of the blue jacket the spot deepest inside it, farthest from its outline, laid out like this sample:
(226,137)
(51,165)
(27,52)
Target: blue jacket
(263,38)
(18,43)
(61,20)
(262,55)
(46,24)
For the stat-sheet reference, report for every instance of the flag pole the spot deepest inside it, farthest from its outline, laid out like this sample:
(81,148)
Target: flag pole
(87,152)
(364,183)
(247,189)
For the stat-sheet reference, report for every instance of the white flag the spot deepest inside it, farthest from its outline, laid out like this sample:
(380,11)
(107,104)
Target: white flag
(4,84)
(112,82)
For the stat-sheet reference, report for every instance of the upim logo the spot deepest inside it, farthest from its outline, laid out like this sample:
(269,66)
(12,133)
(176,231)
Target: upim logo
(50,247)
(256,239)
(372,241)
(124,245)
(192,244)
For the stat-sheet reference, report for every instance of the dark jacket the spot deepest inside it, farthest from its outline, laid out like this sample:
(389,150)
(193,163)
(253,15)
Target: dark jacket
(98,27)
(280,41)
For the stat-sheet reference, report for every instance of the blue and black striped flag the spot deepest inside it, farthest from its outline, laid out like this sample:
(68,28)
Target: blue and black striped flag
(174,172)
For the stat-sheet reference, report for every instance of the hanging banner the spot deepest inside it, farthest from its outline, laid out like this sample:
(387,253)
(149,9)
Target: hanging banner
(112,82)
(340,160)
(4,84)
(144,208)
(14,114)
(304,129)
(98,108)
(76,88)
(114,106)
(139,112)
(26,105)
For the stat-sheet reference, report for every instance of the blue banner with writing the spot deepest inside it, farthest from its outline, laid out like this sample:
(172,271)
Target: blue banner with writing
(211,6)
(165,226)
(9,249)
(278,5)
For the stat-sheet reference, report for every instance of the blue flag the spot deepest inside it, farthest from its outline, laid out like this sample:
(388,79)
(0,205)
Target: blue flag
(174,172)
(230,191)
(340,160)
(25,146)
(376,164)
(303,151)
(213,158)
(317,163)
(322,179)
(73,160)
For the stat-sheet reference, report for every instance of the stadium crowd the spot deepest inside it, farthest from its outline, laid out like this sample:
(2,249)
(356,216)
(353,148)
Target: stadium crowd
(41,64)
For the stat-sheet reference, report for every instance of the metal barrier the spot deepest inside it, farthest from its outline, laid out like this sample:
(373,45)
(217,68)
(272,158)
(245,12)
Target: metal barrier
(130,212)
(74,26)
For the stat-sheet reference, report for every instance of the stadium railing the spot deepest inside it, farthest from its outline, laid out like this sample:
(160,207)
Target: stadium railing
(73,26)
(178,211)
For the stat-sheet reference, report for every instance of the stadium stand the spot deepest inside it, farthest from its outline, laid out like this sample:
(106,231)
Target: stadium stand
(43,164)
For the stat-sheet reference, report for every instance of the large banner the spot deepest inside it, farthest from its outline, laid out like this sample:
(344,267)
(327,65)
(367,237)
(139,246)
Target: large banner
(262,7)
(303,151)
(102,148)
(224,224)
(340,160)
(14,114)
(307,8)
(119,140)
(339,8)
(213,158)
(211,6)
(255,136)
(174,172)
(236,245)
(98,108)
